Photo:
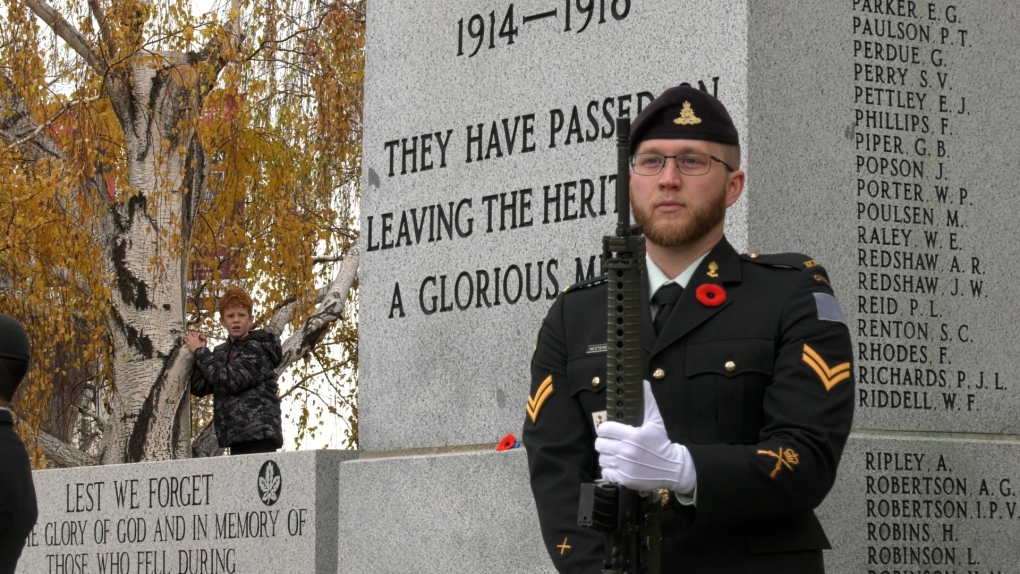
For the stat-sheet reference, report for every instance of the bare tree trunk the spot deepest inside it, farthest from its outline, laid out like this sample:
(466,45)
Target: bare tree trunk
(156,100)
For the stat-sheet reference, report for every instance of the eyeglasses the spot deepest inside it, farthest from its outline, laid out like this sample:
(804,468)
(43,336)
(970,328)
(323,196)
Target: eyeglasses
(686,163)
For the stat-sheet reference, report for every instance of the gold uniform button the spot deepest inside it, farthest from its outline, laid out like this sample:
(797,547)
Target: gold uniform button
(730,366)
(659,374)
(595,382)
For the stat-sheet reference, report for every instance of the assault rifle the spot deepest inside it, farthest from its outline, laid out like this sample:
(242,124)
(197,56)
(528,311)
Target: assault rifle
(629,519)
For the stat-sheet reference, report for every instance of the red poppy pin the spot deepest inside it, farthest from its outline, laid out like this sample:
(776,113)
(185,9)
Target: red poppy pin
(508,442)
(710,295)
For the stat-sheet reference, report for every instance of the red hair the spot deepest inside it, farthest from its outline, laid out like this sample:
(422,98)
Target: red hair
(235,297)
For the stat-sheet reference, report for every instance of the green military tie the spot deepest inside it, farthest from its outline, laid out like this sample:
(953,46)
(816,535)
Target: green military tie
(665,299)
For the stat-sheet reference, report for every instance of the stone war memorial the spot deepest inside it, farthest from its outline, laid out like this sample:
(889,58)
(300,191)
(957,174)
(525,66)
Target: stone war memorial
(877,138)
(257,513)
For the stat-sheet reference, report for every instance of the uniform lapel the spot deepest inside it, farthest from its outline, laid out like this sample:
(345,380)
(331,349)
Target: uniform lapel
(689,312)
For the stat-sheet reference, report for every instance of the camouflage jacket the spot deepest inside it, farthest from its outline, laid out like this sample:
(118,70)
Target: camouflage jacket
(241,376)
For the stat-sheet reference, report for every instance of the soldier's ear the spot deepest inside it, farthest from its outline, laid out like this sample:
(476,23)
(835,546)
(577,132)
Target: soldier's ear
(734,186)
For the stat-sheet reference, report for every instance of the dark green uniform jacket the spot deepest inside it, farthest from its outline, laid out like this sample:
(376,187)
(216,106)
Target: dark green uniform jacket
(759,388)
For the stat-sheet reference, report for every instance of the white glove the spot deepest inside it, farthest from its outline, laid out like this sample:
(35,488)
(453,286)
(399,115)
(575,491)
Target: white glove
(643,458)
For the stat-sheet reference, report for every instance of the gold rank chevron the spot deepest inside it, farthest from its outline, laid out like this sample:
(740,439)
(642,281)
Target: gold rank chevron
(831,376)
(535,403)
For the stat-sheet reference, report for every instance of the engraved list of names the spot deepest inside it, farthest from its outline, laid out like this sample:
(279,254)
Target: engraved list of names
(929,294)
(922,275)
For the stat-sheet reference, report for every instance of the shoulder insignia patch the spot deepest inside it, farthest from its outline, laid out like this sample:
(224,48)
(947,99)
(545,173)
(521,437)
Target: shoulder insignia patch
(830,376)
(786,457)
(828,309)
(544,391)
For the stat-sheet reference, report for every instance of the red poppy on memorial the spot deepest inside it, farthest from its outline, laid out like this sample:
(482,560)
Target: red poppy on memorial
(508,442)
(710,295)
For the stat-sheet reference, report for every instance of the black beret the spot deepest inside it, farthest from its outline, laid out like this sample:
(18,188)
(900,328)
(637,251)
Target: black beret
(684,112)
(13,339)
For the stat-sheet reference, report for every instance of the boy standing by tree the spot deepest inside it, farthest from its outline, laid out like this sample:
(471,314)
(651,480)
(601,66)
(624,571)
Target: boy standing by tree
(18,509)
(241,376)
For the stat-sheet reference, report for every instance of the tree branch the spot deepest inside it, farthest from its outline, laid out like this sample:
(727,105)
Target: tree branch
(68,33)
(104,27)
(18,121)
(47,144)
(99,422)
(324,259)
(62,455)
(205,443)
(327,312)
(282,317)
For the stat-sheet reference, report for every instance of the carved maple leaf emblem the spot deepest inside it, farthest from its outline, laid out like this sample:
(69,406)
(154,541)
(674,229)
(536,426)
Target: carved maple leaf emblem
(269,483)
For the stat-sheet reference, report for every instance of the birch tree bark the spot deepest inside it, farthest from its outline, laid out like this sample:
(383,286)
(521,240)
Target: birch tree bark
(157,99)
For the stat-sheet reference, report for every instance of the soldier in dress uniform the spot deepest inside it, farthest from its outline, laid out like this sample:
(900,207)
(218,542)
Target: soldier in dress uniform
(18,507)
(748,368)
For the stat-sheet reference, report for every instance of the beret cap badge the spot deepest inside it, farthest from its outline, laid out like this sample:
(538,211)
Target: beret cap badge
(687,117)
(684,112)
